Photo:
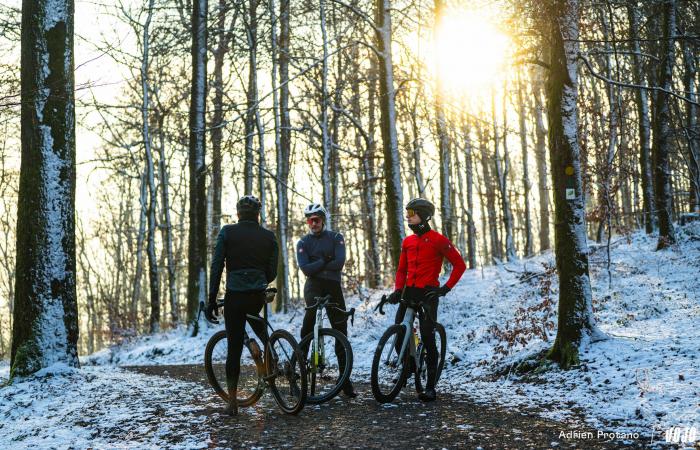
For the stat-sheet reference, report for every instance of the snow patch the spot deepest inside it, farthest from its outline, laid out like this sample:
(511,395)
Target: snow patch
(99,407)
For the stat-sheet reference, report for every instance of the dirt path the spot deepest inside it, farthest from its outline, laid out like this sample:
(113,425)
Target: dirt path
(452,422)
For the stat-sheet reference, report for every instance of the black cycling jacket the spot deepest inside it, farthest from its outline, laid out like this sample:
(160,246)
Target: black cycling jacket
(322,255)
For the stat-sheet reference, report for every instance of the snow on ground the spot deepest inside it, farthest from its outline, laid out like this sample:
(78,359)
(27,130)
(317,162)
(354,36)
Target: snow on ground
(645,378)
(4,371)
(99,407)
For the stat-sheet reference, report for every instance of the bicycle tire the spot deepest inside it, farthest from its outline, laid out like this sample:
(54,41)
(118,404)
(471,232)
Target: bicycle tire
(312,374)
(292,369)
(246,397)
(379,395)
(440,330)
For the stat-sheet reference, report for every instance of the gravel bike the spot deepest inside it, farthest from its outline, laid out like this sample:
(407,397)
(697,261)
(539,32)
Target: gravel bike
(400,353)
(278,368)
(328,354)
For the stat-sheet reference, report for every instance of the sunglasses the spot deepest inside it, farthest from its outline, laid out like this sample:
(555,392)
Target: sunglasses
(410,212)
(313,220)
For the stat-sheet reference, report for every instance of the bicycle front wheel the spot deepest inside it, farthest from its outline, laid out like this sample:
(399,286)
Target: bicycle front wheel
(388,373)
(250,388)
(286,372)
(328,364)
(421,375)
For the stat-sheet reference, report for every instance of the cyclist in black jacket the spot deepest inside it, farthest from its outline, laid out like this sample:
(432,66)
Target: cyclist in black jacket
(321,256)
(250,253)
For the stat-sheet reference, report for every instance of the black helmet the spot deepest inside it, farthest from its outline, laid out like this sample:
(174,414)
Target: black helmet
(248,204)
(422,207)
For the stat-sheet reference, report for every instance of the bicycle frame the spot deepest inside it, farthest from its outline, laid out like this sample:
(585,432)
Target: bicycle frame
(318,346)
(409,339)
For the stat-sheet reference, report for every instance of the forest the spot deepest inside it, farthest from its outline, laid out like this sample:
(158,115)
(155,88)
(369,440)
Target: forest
(552,130)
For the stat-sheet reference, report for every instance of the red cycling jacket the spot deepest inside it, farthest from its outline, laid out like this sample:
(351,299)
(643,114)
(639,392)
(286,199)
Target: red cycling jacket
(421,261)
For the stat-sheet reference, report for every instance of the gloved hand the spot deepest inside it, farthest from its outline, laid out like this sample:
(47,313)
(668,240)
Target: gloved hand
(394,297)
(211,311)
(433,293)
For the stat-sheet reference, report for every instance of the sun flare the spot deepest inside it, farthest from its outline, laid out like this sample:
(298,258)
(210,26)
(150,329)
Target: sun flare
(469,52)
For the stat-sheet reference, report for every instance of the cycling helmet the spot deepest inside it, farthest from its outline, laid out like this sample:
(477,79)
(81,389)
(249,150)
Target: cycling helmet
(422,207)
(315,209)
(248,204)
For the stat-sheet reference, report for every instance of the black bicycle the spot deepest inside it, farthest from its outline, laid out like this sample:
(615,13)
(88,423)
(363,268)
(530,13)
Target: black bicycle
(400,352)
(279,367)
(328,354)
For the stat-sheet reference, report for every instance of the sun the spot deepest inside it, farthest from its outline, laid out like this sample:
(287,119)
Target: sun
(469,52)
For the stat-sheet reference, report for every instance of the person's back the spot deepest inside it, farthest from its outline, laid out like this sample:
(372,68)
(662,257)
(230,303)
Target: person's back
(250,254)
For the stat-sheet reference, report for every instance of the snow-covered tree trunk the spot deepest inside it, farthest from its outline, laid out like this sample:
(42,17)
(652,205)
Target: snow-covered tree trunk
(387,100)
(197,242)
(526,172)
(417,145)
(153,275)
(541,157)
(575,313)
(282,153)
(642,101)
(45,327)
(663,133)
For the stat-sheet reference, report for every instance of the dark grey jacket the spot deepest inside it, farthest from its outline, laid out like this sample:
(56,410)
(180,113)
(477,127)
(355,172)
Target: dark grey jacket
(322,255)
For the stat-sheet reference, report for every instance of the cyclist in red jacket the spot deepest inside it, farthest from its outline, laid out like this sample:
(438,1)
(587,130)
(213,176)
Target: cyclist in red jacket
(420,264)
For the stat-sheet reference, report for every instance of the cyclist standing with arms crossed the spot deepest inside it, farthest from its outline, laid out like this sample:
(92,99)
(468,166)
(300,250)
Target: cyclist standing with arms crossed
(420,264)
(321,256)
(250,253)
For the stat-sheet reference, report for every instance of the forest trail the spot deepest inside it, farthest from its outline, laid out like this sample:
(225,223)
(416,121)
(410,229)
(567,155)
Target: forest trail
(454,421)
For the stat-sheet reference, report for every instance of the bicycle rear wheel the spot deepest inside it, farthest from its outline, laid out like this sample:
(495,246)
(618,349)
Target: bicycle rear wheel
(250,388)
(323,366)
(388,373)
(286,372)
(421,375)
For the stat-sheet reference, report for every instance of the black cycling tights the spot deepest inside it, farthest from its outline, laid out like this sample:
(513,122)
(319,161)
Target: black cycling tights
(236,306)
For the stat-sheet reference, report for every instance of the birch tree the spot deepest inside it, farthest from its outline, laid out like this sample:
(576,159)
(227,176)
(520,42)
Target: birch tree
(197,248)
(45,325)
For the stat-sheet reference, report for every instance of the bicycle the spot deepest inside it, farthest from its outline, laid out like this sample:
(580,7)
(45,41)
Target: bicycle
(277,368)
(326,375)
(405,354)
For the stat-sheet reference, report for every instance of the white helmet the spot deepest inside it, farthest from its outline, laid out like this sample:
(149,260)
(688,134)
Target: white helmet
(315,208)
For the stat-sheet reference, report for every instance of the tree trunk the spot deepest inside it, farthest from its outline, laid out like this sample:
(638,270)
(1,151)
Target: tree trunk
(167,229)
(575,313)
(663,134)
(140,238)
(45,327)
(496,251)
(392,161)
(642,100)
(280,104)
(251,94)
(325,138)
(153,275)
(197,249)
(692,131)
(502,170)
(526,174)
(471,226)
(541,156)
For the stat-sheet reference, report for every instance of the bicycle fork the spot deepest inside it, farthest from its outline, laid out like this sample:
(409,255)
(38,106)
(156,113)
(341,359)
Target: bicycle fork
(318,349)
